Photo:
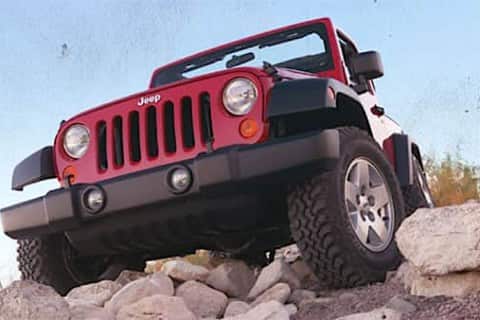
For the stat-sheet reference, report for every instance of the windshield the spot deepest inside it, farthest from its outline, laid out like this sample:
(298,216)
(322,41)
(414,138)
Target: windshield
(305,49)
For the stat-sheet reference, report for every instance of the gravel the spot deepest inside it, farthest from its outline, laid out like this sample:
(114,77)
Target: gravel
(367,298)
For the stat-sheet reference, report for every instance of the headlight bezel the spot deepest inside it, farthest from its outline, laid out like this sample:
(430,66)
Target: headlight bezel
(226,90)
(68,149)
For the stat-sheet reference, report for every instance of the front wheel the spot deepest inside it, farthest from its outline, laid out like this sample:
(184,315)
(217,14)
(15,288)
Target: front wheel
(52,261)
(344,220)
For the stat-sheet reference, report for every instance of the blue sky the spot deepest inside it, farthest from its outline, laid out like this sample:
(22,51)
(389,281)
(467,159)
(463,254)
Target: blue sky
(430,51)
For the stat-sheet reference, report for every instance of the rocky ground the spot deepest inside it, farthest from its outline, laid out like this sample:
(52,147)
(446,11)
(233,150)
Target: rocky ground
(439,280)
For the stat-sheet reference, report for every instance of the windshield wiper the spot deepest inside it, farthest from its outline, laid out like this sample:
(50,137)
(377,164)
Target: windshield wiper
(205,61)
(241,59)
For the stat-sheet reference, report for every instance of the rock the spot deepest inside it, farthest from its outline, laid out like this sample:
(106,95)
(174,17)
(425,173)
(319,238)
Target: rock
(234,278)
(304,273)
(426,238)
(181,270)
(316,301)
(377,314)
(403,275)
(308,279)
(401,305)
(452,285)
(300,295)
(277,271)
(90,312)
(127,276)
(348,296)
(235,308)
(272,310)
(279,292)
(156,307)
(158,283)
(289,253)
(202,300)
(29,300)
(95,294)
(291,309)
(472,201)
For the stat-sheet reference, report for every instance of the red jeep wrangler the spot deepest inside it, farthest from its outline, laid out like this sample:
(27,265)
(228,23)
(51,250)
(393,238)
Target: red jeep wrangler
(258,143)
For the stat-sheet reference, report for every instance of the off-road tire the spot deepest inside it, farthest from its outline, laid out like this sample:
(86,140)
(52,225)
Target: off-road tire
(44,260)
(413,194)
(321,228)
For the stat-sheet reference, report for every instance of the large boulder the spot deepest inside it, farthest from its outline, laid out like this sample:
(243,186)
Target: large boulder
(156,307)
(95,294)
(181,270)
(457,284)
(234,278)
(442,240)
(29,300)
(158,283)
(279,292)
(202,300)
(452,285)
(277,271)
(272,310)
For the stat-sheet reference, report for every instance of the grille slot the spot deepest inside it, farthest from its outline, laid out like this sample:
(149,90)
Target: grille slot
(206,120)
(102,145)
(169,127)
(152,143)
(187,123)
(118,140)
(135,153)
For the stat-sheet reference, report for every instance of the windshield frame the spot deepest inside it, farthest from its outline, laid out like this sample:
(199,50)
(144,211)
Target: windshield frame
(320,26)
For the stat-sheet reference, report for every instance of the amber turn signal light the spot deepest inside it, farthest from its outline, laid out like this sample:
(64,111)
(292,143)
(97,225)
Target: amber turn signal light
(69,173)
(248,128)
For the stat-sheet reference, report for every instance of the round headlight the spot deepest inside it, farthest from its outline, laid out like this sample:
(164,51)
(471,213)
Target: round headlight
(76,141)
(239,96)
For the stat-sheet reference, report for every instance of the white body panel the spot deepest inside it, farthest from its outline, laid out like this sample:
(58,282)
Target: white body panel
(382,126)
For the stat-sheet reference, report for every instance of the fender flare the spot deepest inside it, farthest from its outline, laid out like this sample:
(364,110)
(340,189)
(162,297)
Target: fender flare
(304,95)
(401,150)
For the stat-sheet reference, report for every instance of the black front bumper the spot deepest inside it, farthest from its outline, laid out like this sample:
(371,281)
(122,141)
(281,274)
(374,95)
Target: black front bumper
(62,210)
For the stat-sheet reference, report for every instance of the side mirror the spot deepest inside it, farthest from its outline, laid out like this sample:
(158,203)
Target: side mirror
(368,65)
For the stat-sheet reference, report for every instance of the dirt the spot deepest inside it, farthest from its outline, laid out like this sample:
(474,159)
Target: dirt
(443,308)
(367,298)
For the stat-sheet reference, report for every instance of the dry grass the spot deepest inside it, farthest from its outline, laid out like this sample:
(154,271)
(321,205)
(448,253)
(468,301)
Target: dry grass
(452,180)
(200,258)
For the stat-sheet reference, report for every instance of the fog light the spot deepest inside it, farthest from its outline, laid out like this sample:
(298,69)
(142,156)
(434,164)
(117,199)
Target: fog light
(180,179)
(94,199)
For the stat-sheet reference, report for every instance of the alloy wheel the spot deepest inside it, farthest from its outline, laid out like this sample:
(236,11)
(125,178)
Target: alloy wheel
(369,204)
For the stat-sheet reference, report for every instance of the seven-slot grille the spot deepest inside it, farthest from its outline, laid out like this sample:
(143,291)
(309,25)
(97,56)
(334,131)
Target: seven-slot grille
(167,128)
